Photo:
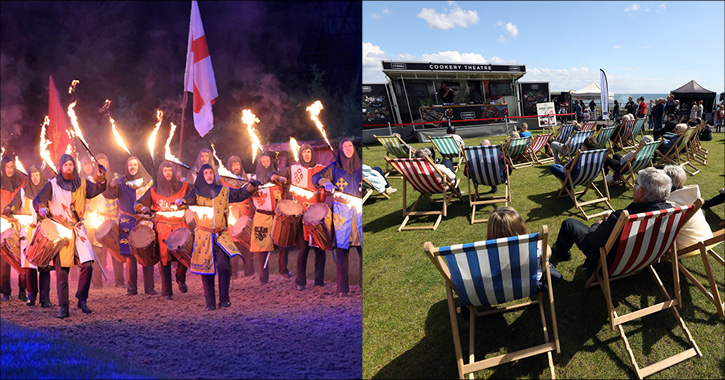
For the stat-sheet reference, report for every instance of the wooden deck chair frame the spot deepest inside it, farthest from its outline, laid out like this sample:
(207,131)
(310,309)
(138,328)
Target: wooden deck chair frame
(694,147)
(630,170)
(448,193)
(519,149)
(370,189)
(568,188)
(604,136)
(637,130)
(474,197)
(604,278)
(624,135)
(703,249)
(537,146)
(473,365)
(674,157)
(400,142)
(576,141)
(438,142)
(589,126)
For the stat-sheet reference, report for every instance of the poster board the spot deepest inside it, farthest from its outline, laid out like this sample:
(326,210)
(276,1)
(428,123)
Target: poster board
(546,109)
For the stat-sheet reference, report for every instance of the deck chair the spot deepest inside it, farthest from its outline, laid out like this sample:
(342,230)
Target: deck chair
(678,154)
(369,190)
(517,147)
(625,134)
(703,249)
(641,240)
(565,133)
(489,273)
(641,159)
(421,173)
(394,147)
(587,166)
(603,137)
(694,147)
(448,148)
(576,141)
(484,166)
(537,147)
(589,126)
(637,130)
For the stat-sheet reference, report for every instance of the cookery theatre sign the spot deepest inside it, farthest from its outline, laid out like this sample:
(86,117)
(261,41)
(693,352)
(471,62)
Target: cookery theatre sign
(430,66)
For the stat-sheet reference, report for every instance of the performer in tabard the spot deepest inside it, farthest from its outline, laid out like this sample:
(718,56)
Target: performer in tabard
(22,204)
(203,158)
(127,190)
(241,211)
(107,208)
(161,197)
(344,175)
(64,198)
(264,202)
(300,175)
(213,247)
(10,184)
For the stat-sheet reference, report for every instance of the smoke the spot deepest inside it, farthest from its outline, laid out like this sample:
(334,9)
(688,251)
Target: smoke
(12,108)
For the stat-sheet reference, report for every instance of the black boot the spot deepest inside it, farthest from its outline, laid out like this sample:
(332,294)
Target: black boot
(182,287)
(64,313)
(31,301)
(46,305)
(22,296)
(82,305)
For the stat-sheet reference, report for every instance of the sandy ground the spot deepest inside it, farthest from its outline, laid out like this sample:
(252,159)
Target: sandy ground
(270,331)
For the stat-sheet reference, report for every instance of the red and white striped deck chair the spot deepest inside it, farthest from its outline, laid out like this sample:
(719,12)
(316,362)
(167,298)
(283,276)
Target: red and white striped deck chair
(394,147)
(421,173)
(624,135)
(637,131)
(636,243)
(490,273)
(704,249)
(585,167)
(589,126)
(537,146)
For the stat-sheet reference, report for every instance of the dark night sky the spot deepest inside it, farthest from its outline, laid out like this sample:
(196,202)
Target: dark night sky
(264,57)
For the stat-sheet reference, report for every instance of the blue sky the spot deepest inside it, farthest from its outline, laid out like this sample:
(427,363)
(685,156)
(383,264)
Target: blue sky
(644,47)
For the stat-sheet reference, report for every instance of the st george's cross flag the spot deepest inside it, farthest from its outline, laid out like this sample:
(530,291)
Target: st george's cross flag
(199,75)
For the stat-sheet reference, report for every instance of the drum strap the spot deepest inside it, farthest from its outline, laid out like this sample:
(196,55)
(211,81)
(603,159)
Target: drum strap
(211,230)
(126,213)
(265,212)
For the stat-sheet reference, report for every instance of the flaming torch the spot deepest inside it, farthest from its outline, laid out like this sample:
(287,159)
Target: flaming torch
(73,86)
(76,132)
(152,139)
(294,147)
(224,172)
(44,152)
(117,136)
(249,119)
(2,153)
(314,110)
(167,153)
(19,166)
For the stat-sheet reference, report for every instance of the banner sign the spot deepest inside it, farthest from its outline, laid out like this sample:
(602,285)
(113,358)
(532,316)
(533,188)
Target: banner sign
(605,94)
(468,67)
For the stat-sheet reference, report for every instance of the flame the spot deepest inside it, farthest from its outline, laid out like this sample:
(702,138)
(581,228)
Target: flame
(106,105)
(69,149)
(74,120)
(232,219)
(4,224)
(44,152)
(222,171)
(116,135)
(24,220)
(295,148)
(63,232)
(2,153)
(348,199)
(171,214)
(249,119)
(203,212)
(92,220)
(152,139)
(314,110)
(73,86)
(167,150)
(19,166)
(302,192)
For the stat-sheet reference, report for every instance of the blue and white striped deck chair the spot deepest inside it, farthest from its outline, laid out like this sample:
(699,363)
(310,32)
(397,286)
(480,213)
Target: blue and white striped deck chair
(587,166)
(395,147)
(448,148)
(565,133)
(604,136)
(576,141)
(494,272)
(517,148)
(484,166)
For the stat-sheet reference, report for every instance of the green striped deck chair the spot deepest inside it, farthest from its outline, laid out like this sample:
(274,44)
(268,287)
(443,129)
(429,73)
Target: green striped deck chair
(678,154)
(633,141)
(695,149)
(448,148)
(641,159)
(603,137)
(517,147)
(395,147)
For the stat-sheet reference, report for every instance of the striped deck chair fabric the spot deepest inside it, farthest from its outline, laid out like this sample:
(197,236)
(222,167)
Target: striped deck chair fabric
(576,141)
(678,154)
(637,130)
(448,148)
(517,147)
(625,134)
(420,173)
(589,126)
(641,159)
(641,240)
(587,166)
(603,137)
(565,133)
(485,167)
(537,146)
(394,147)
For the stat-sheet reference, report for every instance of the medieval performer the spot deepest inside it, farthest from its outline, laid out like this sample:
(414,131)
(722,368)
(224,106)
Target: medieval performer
(241,212)
(107,208)
(10,184)
(203,158)
(265,200)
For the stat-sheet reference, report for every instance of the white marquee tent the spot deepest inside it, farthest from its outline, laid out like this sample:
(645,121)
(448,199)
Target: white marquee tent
(591,91)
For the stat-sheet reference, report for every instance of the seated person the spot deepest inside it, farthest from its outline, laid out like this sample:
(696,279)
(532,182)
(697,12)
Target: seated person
(377,179)
(524,132)
(696,229)
(487,142)
(650,194)
(590,143)
(716,200)
(616,162)
(706,132)
(679,131)
(667,128)
(451,131)
(446,170)
(561,148)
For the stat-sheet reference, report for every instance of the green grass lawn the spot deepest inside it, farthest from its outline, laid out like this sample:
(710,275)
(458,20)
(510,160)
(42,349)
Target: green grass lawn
(407,332)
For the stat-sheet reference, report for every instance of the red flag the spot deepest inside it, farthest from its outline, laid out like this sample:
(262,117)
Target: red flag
(199,75)
(58,127)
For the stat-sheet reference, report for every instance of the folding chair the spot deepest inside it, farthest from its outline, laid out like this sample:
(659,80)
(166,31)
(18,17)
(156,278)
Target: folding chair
(625,134)
(369,190)
(641,159)
(703,249)
(421,173)
(489,273)
(576,141)
(632,142)
(565,133)
(585,167)
(603,137)
(485,166)
(678,154)
(641,240)
(694,147)
(517,147)
(448,148)
(394,146)
(589,126)
(538,146)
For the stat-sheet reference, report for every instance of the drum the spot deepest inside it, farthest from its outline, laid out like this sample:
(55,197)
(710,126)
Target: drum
(179,243)
(142,240)
(107,235)
(241,232)
(317,225)
(49,237)
(190,220)
(286,224)
(10,248)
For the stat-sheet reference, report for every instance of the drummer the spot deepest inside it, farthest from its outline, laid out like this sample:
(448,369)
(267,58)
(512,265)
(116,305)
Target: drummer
(300,175)
(64,199)
(344,175)
(239,211)
(261,243)
(203,158)
(213,246)
(161,197)
(127,190)
(10,185)
(88,168)
(23,204)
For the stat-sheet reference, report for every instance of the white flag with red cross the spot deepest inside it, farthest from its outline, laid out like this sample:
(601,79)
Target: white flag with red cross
(199,75)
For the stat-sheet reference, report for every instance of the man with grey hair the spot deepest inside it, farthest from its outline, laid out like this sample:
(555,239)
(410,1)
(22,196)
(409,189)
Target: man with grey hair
(696,229)
(650,194)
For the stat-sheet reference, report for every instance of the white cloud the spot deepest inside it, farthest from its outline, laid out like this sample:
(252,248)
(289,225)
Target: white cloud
(632,8)
(406,57)
(386,12)
(617,46)
(662,7)
(372,67)
(456,17)
(453,57)
(622,68)
(511,31)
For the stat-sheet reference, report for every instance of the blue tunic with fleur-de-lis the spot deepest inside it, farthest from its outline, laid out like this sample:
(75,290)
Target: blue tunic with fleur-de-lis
(343,215)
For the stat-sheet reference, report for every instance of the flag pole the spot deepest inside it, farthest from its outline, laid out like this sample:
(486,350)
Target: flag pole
(181,127)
